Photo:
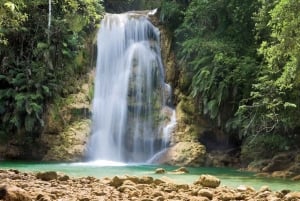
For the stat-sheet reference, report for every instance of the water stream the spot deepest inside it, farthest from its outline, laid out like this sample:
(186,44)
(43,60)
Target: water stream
(130,94)
(49,18)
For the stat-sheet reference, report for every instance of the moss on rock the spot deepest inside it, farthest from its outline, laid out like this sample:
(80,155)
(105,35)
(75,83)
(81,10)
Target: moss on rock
(70,144)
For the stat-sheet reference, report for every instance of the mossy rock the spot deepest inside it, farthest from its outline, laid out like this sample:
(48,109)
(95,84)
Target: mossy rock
(70,144)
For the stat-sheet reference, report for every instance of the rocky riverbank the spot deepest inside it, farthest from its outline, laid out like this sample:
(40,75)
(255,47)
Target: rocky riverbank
(48,186)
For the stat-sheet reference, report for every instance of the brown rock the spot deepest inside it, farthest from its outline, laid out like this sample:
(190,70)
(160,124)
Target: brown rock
(134,179)
(128,182)
(181,170)
(199,198)
(158,181)
(127,188)
(206,193)
(281,174)
(146,180)
(63,178)
(160,198)
(263,174)
(296,178)
(264,188)
(243,188)
(184,154)
(208,181)
(116,181)
(13,193)
(47,176)
(160,171)
(42,197)
(279,162)
(293,196)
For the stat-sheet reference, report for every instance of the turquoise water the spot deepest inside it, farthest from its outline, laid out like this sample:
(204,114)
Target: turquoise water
(229,177)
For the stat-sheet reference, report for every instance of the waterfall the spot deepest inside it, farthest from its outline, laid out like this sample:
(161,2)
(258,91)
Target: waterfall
(129,98)
(49,19)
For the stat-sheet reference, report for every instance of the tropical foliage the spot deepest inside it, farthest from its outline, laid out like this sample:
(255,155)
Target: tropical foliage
(273,104)
(40,56)
(244,61)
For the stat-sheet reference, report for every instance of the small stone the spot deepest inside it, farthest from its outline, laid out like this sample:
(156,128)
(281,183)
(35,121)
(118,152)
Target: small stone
(264,188)
(160,198)
(129,183)
(160,171)
(242,188)
(181,170)
(158,181)
(205,193)
(285,191)
(157,194)
(41,197)
(64,178)
(146,180)
(116,182)
(84,199)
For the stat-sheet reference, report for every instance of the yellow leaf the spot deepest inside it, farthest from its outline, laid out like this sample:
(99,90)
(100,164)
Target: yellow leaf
(10,6)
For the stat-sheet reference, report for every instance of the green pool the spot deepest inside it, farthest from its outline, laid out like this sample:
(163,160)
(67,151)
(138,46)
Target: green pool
(100,169)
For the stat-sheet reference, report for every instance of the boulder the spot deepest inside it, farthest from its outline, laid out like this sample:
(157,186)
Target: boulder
(292,196)
(184,154)
(208,181)
(116,181)
(47,176)
(13,193)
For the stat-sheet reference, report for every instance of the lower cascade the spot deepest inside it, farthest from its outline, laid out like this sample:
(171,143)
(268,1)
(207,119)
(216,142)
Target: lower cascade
(131,119)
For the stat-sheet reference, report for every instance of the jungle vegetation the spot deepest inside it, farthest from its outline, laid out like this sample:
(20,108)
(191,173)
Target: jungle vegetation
(40,57)
(244,60)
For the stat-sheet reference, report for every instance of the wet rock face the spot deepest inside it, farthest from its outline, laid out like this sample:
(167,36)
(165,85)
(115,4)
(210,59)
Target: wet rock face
(283,165)
(184,154)
(67,126)
(68,145)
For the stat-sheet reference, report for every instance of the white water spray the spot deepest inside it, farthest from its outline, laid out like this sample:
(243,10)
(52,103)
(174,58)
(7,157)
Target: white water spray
(49,19)
(129,91)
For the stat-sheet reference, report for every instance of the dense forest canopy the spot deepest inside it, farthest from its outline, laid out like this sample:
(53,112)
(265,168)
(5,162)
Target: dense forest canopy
(39,57)
(243,59)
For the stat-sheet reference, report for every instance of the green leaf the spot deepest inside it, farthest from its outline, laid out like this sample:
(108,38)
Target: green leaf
(287,104)
(213,108)
(41,45)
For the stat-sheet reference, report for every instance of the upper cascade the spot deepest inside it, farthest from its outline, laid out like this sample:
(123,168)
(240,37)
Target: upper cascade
(129,106)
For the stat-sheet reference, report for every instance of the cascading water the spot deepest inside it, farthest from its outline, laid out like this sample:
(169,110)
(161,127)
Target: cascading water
(49,18)
(129,97)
